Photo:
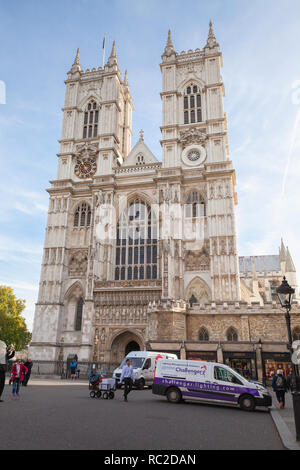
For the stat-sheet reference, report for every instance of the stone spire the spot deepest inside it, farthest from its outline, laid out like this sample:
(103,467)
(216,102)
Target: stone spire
(289,267)
(76,67)
(126,78)
(282,252)
(169,49)
(254,277)
(113,55)
(211,40)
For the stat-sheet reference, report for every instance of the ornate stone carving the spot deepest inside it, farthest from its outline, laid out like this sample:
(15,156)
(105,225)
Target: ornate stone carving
(86,150)
(199,290)
(197,260)
(78,262)
(192,136)
(114,315)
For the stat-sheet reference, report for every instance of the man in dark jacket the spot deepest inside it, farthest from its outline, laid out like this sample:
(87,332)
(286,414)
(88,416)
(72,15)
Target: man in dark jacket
(29,365)
(279,386)
(290,384)
(5,355)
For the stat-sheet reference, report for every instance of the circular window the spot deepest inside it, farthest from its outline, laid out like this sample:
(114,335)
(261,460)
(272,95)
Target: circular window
(194,155)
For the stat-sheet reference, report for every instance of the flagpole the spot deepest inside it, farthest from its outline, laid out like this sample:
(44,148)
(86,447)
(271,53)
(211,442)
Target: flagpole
(103,54)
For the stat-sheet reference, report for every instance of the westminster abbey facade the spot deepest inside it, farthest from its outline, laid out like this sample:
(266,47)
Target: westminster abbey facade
(141,252)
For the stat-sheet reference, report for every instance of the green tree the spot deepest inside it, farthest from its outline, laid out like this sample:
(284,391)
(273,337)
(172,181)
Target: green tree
(13,329)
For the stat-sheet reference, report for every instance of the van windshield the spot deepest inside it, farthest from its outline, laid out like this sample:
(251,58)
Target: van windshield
(135,362)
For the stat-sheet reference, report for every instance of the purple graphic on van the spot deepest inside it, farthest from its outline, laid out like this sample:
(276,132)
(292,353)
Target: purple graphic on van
(201,371)
(196,387)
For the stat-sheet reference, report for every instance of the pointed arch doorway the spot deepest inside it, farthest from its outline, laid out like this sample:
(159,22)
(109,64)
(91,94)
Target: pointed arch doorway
(132,346)
(124,343)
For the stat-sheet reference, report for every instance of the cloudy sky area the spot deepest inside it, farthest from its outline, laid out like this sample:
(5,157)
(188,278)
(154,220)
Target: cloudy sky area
(260,41)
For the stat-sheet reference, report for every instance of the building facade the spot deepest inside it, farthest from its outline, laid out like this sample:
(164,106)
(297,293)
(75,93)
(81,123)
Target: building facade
(141,253)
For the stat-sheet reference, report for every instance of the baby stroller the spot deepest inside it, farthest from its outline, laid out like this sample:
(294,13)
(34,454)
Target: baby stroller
(102,388)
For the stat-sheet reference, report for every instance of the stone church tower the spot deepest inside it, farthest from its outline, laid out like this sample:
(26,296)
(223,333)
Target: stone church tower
(141,253)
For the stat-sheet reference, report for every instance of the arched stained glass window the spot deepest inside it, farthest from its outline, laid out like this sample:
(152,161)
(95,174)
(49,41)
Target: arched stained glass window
(232,335)
(203,334)
(192,105)
(136,243)
(91,118)
(195,205)
(78,319)
(82,216)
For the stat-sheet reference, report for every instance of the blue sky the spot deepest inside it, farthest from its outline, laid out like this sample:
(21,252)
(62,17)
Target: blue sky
(260,41)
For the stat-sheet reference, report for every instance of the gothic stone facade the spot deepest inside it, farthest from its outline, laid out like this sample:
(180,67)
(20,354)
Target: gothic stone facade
(102,288)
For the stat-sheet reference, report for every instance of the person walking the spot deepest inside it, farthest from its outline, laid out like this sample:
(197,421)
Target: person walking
(290,386)
(73,367)
(29,365)
(279,385)
(18,373)
(128,377)
(5,355)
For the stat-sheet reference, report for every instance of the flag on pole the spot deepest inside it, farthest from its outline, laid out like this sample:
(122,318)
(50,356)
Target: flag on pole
(103,50)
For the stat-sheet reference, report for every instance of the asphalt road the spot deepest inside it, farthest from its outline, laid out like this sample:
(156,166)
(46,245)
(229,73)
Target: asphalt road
(60,415)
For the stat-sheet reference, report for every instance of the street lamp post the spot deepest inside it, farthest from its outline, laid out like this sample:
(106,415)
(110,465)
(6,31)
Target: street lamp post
(285,293)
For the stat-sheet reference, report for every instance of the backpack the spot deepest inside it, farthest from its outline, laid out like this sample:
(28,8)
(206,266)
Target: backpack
(279,381)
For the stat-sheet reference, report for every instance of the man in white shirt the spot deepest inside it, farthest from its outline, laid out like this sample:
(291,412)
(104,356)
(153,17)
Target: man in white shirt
(128,377)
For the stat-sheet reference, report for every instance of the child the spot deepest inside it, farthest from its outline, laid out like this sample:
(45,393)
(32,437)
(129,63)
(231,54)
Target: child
(18,373)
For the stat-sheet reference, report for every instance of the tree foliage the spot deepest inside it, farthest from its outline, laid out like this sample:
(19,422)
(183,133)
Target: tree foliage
(13,329)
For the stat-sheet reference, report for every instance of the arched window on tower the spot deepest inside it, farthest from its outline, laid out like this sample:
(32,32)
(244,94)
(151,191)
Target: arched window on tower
(203,334)
(82,216)
(195,205)
(192,105)
(232,335)
(91,118)
(136,244)
(78,319)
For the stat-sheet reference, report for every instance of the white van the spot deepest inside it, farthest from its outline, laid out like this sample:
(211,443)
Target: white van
(207,382)
(143,363)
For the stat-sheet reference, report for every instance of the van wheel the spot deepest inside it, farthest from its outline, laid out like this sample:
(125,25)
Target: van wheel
(174,395)
(247,403)
(141,384)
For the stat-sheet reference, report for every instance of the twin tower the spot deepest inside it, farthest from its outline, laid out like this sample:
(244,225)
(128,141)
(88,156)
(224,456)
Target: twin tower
(96,293)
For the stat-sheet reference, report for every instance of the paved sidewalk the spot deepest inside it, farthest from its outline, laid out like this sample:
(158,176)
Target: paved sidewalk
(284,421)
